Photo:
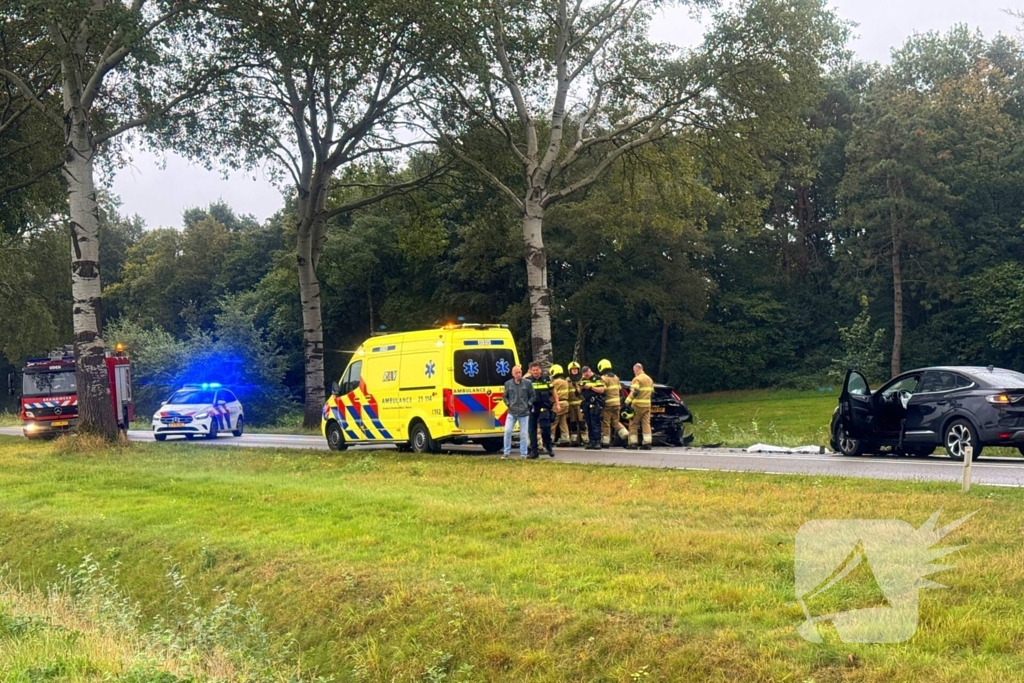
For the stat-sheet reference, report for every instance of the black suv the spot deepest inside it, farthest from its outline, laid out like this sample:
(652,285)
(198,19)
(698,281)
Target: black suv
(668,415)
(918,411)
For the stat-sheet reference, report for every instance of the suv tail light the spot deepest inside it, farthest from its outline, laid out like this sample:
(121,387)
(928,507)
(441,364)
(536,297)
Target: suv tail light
(1003,399)
(677,397)
(449,403)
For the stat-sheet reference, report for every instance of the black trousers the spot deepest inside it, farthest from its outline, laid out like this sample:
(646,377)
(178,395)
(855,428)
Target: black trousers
(592,413)
(540,417)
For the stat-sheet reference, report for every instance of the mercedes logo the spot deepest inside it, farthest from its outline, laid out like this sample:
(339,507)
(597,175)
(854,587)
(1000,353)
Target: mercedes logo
(57,411)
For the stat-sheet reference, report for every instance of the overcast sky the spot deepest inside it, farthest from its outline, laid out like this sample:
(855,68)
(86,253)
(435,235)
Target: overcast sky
(160,195)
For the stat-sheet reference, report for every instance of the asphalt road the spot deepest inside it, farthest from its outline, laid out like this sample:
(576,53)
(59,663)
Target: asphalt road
(991,471)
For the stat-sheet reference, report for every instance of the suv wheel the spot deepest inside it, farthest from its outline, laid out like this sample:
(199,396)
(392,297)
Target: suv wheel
(959,435)
(846,444)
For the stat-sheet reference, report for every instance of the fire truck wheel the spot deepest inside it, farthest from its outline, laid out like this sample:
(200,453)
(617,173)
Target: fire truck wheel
(239,427)
(160,437)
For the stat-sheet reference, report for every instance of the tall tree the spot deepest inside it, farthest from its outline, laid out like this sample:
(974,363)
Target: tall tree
(573,86)
(324,87)
(123,66)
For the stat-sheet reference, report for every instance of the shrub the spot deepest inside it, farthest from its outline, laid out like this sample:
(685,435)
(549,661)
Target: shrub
(235,354)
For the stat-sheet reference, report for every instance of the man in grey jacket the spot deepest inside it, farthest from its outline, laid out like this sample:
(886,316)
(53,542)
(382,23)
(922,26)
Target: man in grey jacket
(518,396)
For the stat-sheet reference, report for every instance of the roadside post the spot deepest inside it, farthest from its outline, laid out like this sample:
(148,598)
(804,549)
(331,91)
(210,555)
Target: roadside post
(968,459)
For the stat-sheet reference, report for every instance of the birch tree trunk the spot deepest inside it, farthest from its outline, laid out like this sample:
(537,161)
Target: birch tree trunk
(309,237)
(95,411)
(537,283)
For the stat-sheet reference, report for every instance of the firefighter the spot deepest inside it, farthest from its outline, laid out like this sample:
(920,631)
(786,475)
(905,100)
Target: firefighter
(612,404)
(540,412)
(577,420)
(592,391)
(639,401)
(560,425)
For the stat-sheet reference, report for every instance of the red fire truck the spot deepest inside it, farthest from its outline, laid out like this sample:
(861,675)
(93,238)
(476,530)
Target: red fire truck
(49,394)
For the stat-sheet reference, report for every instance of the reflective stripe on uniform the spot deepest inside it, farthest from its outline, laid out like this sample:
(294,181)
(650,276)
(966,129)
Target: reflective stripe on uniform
(613,390)
(641,390)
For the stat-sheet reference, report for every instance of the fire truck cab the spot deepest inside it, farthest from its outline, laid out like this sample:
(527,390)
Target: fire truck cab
(49,392)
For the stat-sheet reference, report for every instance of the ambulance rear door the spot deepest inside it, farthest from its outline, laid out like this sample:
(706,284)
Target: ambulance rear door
(482,363)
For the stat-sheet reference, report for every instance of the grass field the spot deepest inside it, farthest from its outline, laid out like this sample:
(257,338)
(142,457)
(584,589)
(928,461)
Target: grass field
(381,567)
(778,417)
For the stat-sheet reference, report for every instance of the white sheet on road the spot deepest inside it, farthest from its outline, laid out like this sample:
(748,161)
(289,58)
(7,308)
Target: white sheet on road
(766,448)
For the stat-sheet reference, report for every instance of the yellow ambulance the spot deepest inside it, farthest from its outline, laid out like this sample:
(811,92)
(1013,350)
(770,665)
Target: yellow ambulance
(419,390)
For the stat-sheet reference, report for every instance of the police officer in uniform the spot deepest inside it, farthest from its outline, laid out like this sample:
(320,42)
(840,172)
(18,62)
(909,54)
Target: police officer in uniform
(639,400)
(592,392)
(612,405)
(560,425)
(577,420)
(540,412)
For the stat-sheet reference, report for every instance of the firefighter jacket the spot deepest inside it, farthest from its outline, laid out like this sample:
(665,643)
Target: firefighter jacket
(562,388)
(575,394)
(612,389)
(640,392)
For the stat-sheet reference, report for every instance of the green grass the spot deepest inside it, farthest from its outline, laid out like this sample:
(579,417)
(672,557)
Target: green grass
(9,419)
(457,568)
(779,417)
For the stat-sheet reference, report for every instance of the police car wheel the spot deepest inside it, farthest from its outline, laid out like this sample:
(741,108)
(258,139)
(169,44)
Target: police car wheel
(160,437)
(212,434)
(335,439)
(190,436)
(239,427)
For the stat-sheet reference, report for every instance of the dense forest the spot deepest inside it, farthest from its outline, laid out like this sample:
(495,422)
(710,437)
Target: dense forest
(877,221)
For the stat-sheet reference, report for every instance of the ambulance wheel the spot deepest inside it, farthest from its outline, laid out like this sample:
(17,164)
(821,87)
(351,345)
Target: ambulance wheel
(492,445)
(160,437)
(419,439)
(335,438)
(239,427)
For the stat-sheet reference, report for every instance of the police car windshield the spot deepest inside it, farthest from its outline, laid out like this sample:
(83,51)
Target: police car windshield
(190,397)
(48,383)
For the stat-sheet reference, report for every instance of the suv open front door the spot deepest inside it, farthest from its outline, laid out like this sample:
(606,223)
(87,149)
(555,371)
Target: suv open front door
(857,406)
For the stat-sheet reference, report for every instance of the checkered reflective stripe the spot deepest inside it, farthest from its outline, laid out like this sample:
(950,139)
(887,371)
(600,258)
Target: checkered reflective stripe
(39,405)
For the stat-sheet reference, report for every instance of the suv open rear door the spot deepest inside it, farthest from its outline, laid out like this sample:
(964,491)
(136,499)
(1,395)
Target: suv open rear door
(857,406)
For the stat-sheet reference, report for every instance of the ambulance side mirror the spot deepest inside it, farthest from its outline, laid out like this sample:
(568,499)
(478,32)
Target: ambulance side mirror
(13,385)
(335,389)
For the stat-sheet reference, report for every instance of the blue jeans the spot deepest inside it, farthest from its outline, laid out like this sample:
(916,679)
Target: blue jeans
(524,433)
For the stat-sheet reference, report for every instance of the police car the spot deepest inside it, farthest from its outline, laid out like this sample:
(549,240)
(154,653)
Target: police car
(199,410)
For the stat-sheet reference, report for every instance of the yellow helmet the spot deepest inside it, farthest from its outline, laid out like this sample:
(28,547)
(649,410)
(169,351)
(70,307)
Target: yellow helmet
(604,364)
(574,366)
(556,370)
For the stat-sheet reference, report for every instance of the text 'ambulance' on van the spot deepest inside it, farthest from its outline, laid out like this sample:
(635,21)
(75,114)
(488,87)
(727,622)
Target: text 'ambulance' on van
(419,390)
